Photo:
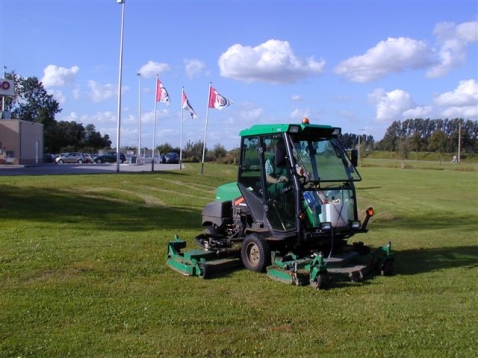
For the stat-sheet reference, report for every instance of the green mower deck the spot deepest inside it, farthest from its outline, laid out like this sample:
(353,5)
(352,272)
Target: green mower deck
(200,262)
(314,270)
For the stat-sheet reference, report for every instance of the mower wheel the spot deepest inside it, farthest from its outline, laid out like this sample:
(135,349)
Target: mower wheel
(319,282)
(387,268)
(203,270)
(255,253)
(210,230)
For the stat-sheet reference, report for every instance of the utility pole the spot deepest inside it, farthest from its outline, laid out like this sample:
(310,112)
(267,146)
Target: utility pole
(459,142)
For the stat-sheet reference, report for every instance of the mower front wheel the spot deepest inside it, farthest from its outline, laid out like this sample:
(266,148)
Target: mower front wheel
(255,253)
(387,268)
(203,270)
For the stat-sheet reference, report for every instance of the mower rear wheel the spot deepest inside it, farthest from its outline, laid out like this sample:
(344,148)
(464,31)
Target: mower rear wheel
(255,253)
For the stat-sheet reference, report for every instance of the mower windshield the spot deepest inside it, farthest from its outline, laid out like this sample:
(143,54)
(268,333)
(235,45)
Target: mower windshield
(324,160)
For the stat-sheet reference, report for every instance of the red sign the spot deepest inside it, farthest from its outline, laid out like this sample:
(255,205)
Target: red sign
(6,87)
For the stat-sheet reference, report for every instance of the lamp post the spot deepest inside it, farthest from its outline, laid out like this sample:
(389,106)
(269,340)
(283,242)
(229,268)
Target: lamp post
(139,117)
(120,75)
(3,97)
(459,142)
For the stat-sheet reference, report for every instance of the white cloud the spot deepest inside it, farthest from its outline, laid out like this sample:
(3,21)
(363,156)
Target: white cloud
(151,69)
(417,112)
(252,112)
(466,94)
(76,92)
(296,97)
(462,102)
(193,67)
(58,95)
(391,105)
(273,61)
(298,114)
(453,41)
(54,76)
(99,93)
(392,55)
(98,119)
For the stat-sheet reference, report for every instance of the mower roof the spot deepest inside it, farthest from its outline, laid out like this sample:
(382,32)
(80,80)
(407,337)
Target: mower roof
(304,128)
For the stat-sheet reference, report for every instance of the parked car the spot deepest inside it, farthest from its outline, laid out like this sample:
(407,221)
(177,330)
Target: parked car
(89,158)
(109,157)
(170,158)
(71,157)
(49,158)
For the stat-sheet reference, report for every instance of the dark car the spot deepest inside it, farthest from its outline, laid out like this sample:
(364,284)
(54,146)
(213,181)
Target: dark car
(109,157)
(170,158)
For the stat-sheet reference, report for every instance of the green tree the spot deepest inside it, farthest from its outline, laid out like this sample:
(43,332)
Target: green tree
(166,148)
(93,139)
(437,142)
(31,102)
(192,152)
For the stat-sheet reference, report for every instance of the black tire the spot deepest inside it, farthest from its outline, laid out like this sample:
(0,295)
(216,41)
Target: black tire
(387,268)
(255,253)
(80,161)
(98,161)
(319,281)
(61,161)
(210,231)
(203,271)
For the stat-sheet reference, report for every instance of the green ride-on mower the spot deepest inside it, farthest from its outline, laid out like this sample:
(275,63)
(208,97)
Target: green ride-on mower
(291,212)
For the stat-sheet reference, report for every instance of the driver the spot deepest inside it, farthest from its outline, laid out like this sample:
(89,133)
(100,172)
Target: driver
(276,175)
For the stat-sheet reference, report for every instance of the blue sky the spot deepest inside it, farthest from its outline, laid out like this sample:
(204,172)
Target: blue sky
(359,65)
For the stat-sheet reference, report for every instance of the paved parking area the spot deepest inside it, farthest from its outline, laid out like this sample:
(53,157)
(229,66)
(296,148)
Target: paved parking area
(55,169)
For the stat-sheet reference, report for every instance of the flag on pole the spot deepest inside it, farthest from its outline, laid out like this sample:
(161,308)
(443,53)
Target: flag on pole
(187,106)
(218,101)
(162,94)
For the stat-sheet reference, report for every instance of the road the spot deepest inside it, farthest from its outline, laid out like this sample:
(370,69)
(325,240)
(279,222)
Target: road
(56,169)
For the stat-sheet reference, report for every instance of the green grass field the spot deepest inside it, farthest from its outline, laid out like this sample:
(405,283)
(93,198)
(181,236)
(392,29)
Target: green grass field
(83,273)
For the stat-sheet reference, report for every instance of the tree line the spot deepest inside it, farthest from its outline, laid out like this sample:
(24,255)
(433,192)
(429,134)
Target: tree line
(431,135)
(31,102)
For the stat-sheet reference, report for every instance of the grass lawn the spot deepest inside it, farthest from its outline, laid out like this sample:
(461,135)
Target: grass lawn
(83,273)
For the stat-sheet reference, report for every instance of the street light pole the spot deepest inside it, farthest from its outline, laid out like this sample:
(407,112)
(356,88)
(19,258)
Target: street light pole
(3,97)
(139,117)
(120,75)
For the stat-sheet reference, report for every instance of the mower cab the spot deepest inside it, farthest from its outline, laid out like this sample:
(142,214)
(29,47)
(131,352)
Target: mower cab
(292,210)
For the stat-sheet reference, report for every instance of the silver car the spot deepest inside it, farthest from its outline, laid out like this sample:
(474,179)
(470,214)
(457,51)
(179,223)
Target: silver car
(71,157)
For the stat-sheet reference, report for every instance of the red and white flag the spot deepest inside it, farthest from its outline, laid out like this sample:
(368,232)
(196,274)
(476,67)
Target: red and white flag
(218,101)
(187,106)
(162,94)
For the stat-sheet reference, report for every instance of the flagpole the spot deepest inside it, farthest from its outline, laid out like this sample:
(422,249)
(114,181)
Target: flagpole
(139,118)
(205,128)
(154,130)
(181,136)
(120,77)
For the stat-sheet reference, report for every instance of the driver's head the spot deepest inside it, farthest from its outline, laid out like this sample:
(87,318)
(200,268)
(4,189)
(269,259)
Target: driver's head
(280,153)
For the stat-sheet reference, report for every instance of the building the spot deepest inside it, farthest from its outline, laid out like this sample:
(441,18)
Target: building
(21,142)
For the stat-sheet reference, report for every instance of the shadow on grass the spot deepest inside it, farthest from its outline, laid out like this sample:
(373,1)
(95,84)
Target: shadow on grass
(412,262)
(97,212)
